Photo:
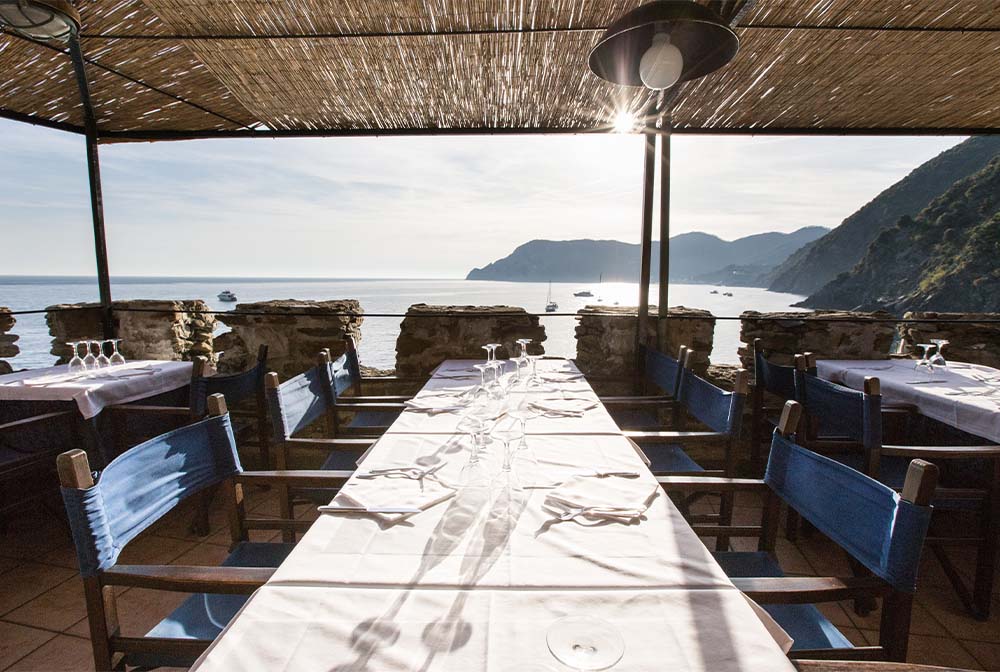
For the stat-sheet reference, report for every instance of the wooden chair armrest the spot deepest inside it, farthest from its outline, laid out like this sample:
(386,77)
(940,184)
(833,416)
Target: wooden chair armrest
(298,478)
(189,578)
(659,437)
(710,484)
(154,410)
(327,444)
(809,589)
(375,399)
(941,452)
(346,405)
(409,380)
(18,424)
(637,402)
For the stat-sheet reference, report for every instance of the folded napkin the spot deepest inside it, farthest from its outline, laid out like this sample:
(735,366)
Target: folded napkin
(432,405)
(404,493)
(620,499)
(564,407)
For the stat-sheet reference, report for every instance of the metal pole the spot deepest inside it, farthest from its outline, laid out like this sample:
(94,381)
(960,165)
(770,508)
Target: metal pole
(648,172)
(663,300)
(96,198)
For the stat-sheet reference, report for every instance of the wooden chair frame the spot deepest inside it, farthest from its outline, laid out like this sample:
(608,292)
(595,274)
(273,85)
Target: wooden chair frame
(897,606)
(665,399)
(102,614)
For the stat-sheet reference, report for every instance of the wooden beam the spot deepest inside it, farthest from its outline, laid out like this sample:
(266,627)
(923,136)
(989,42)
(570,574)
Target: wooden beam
(663,301)
(645,238)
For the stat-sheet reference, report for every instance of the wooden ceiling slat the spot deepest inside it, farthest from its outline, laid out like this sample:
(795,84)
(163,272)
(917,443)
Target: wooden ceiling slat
(823,77)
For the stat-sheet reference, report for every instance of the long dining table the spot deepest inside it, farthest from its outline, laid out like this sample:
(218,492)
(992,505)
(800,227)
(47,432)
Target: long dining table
(477,579)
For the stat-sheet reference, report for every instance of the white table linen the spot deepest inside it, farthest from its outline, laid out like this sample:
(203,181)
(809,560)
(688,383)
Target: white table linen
(476,581)
(95,390)
(955,395)
(319,629)
(465,542)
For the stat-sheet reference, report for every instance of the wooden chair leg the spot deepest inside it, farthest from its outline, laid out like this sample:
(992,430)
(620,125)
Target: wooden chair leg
(865,604)
(792,525)
(103,622)
(894,630)
(725,519)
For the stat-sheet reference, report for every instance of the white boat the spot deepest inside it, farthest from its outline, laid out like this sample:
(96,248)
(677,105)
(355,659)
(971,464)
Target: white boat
(550,305)
(585,292)
(227,296)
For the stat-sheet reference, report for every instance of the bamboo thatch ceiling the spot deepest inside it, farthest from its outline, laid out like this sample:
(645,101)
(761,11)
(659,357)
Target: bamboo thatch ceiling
(157,67)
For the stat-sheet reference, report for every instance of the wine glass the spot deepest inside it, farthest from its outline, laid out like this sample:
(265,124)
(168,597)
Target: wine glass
(76,364)
(90,361)
(474,473)
(102,359)
(938,359)
(496,388)
(585,642)
(117,359)
(493,350)
(924,363)
(534,379)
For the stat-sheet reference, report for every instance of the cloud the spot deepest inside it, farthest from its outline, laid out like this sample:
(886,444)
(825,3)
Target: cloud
(409,207)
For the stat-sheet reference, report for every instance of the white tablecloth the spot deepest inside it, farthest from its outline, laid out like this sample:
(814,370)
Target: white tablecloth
(955,395)
(466,541)
(319,629)
(560,382)
(474,582)
(92,392)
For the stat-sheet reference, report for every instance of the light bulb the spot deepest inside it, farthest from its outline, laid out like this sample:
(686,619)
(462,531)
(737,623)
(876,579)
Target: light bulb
(662,64)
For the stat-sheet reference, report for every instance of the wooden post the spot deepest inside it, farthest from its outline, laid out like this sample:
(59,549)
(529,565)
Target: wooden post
(96,196)
(648,172)
(663,301)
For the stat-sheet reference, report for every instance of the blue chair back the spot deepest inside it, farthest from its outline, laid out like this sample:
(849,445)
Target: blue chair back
(235,387)
(720,410)
(143,484)
(774,378)
(866,518)
(661,370)
(298,402)
(341,375)
(840,411)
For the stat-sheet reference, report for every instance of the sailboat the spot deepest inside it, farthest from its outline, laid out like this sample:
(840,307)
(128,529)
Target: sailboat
(550,305)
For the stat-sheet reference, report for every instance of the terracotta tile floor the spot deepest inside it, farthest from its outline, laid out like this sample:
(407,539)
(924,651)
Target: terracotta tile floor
(43,617)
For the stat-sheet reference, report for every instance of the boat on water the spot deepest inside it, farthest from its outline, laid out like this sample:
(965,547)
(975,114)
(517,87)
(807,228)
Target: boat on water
(550,305)
(227,296)
(714,291)
(585,292)
(727,293)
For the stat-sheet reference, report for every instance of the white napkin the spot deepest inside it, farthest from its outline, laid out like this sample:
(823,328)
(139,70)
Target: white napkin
(432,405)
(609,498)
(403,493)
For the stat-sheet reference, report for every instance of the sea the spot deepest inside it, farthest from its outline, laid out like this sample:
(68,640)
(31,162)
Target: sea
(386,296)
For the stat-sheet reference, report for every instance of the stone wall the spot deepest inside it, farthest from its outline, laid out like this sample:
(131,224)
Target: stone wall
(294,334)
(427,336)
(176,331)
(7,340)
(606,342)
(975,343)
(825,334)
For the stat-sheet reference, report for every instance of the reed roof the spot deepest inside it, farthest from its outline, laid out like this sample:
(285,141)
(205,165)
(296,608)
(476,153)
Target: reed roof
(180,68)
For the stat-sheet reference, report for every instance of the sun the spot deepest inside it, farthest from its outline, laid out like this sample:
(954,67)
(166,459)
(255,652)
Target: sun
(624,122)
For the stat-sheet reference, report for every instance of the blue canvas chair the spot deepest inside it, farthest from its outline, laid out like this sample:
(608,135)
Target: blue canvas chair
(108,510)
(882,529)
(771,381)
(296,405)
(661,377)
(343,386)
(847,425)
(720,413)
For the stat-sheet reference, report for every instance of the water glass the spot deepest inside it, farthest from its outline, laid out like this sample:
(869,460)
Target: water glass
(924,363)
(585,643)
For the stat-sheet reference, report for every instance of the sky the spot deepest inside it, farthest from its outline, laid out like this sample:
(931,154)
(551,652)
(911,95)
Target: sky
(431,207)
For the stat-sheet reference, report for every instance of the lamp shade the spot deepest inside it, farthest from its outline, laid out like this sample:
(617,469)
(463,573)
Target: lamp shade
(44,20)
(705,43)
